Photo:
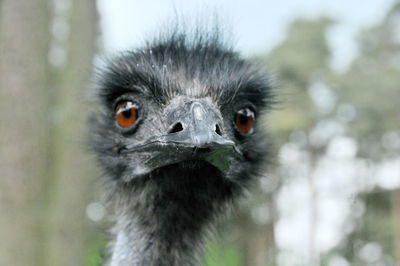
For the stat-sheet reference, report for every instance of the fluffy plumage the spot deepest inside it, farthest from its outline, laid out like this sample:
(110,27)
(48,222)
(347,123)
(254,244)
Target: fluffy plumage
(161,217)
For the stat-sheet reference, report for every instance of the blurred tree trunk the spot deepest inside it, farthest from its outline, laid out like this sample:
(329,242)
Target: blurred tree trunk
(396,221)
(23,132)
(257,240)
(70,173)
(259,246)
(45,176)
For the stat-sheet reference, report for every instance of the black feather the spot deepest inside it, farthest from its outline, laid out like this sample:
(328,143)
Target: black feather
(162,217)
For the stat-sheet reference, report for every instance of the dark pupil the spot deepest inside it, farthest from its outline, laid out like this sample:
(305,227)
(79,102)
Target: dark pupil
(243,119)
(126,112)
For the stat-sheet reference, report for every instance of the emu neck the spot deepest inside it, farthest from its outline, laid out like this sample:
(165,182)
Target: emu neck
(140,245)
(163,219)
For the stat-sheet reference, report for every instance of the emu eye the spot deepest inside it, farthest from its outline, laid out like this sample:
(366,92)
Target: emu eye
(244,120)
(126,113)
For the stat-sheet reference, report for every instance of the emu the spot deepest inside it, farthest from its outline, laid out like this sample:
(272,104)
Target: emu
(177,133)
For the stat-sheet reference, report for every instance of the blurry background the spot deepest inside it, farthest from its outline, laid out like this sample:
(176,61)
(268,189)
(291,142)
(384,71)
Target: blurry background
(332,196)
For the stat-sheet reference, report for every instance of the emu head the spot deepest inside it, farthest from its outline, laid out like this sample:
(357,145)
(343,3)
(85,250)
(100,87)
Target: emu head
(178,134)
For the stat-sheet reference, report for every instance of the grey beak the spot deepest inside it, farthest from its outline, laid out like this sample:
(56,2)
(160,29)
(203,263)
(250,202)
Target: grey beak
(196,126)
(194,134)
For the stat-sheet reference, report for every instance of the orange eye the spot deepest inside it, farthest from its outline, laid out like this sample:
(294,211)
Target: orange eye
(126,113)
(244,120)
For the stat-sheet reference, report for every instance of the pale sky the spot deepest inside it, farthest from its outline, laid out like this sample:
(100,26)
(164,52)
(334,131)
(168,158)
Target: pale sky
(256,25)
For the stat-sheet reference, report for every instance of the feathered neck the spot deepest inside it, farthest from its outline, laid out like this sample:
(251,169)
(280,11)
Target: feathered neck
(163,219)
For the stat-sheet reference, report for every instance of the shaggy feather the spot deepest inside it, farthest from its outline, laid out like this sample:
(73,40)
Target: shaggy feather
(163,217)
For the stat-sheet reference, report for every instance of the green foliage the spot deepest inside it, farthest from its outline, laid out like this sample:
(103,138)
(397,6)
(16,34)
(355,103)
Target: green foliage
(298,62)
(94,251)
(372,83)
(219,254)
(302,54)
(373,227)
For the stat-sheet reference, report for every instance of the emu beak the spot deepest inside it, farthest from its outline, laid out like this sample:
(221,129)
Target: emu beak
(194,134)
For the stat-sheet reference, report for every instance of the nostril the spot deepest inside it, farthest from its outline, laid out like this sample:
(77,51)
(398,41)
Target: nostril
(175,128)
(218,130)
